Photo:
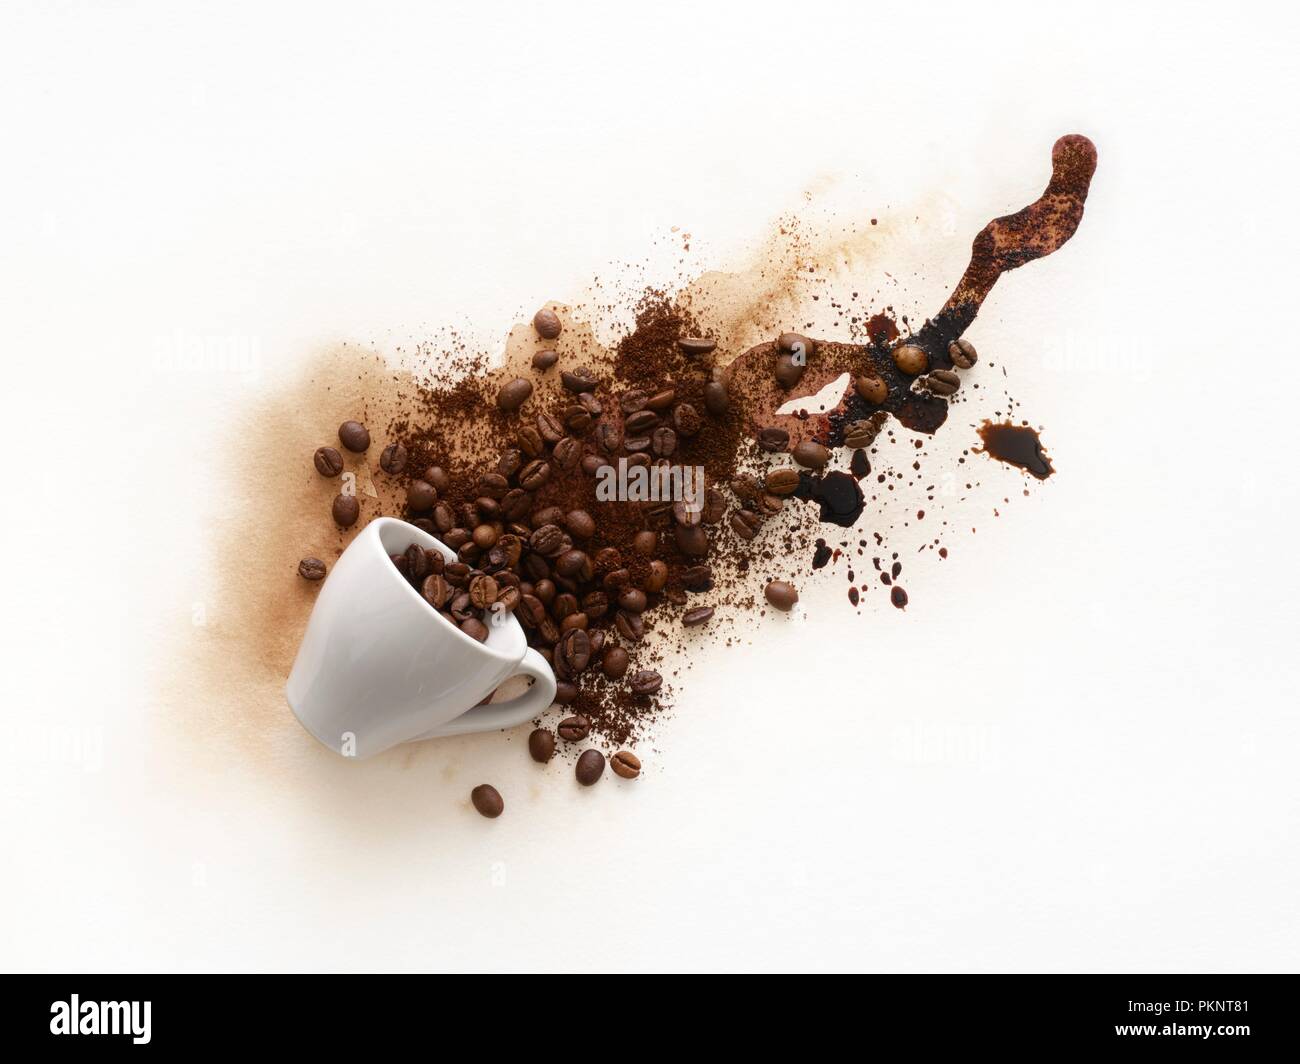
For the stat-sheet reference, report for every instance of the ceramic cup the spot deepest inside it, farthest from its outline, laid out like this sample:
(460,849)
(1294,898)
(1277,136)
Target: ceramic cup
(378,666)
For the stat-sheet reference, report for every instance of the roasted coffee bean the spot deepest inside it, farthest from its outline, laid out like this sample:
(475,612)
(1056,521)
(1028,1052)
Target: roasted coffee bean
(633,400)
(493,485)
(716,399)
(576,420)
(548,515)
(536,568)
(590,767)
(781,594)
(788,372)
(574,729)
(575,565)
(346,510)
(515,504)
(811,454)
(311,569)
(399,561)
(551,430)
(615,662)
(589,403)
(645,543)
(871,388)
(630,626)
(575,620)
(354,436)
(692,540)
(626,764)
(686,420)
(535,474)
(859,434)
(641,423)
(745,523)
(514,394)
(510,462)
(547,323)
(608,438)
(663,442)
(597,638)
(696,345)
(574,651)
(567,454)
(595,604)
(565,692)
(541,745)
(656,577)
(443,516)
(328,462)
(424,525)
(580,524)
(616,579)
(593,463)
(437,476)
(782,481)
(436,590)
(661,400)
(420,497)
(482,592)
(697,616)
(513,547)
(460,606)
(632,599)
(636,445)
(530,442)
(544,360)
(531,610)
(487,800)
(715,507)
(911,359)
(608,559)
(469,553)
(417,562)
(747,488)
(393,458)
(457,574)
(645,682)
(697,577)
(639,459)
(686,514)
(963,354)
(485,536)
(563,605)
(457,538)
(773,440)
(507,600)
(475,629)
(941,382)
(795,344)
(582,379)
(548,540)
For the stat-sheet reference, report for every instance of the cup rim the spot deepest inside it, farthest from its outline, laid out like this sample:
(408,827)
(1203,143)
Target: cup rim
(378,524)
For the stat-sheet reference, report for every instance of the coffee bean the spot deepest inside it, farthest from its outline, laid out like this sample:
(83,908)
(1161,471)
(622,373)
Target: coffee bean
(535,474)
(746,487)
(645,543)
(530,442)
(608,438)
(547,323)
(420,497)
(811,454)
(580,524)
(715,506)
(567,454)
(782,481)
(329,463)
(858,434)
(630,626)
(773,440)
(661,400)
(686,420)
(788,372)
(507,600)
(626,764)
(590,767)
(589,403)
(574,729)
(582,379)
(544,360)
(645,682)
(641,423)
(663,442)
(354,436)
(637,444)
(941,382)
(417,563)
(576,419)
(696,345)
(697,577)
(632,599)
(436,591)
(346,510)
(871,388)
(746,524)
(573,651)
(595,604)
(692,540)
(393,459)
(911,359)
(593,464)
(699,615)
(482,592)
(963,354)
(311,569)
(575,565)
(565,692)
(716,400)
(615,662)
(686,514)
(632,400)
(541,745)
(795,344)
(443,517)
(781,594)
(656,577)
(456,538)
(487,800)
(548,540)
(474,628)
(514,394)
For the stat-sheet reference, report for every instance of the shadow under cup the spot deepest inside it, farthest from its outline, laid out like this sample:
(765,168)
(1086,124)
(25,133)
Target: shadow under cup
(378,665)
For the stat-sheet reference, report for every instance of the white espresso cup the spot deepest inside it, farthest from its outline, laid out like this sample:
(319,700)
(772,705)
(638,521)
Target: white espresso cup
(378,665)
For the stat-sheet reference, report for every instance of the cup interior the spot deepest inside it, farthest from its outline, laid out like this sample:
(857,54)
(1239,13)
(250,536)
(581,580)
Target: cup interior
(505,638)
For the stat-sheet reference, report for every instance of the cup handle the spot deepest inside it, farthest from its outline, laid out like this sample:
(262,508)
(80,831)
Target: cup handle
(530,704)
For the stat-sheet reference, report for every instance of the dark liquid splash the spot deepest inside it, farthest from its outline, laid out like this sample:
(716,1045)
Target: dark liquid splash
(838,495)
(1017,445)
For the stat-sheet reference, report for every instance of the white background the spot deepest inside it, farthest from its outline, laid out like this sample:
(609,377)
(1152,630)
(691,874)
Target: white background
(1076,751)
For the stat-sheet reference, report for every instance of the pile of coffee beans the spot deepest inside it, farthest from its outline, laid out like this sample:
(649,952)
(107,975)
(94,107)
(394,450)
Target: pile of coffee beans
(466,598)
